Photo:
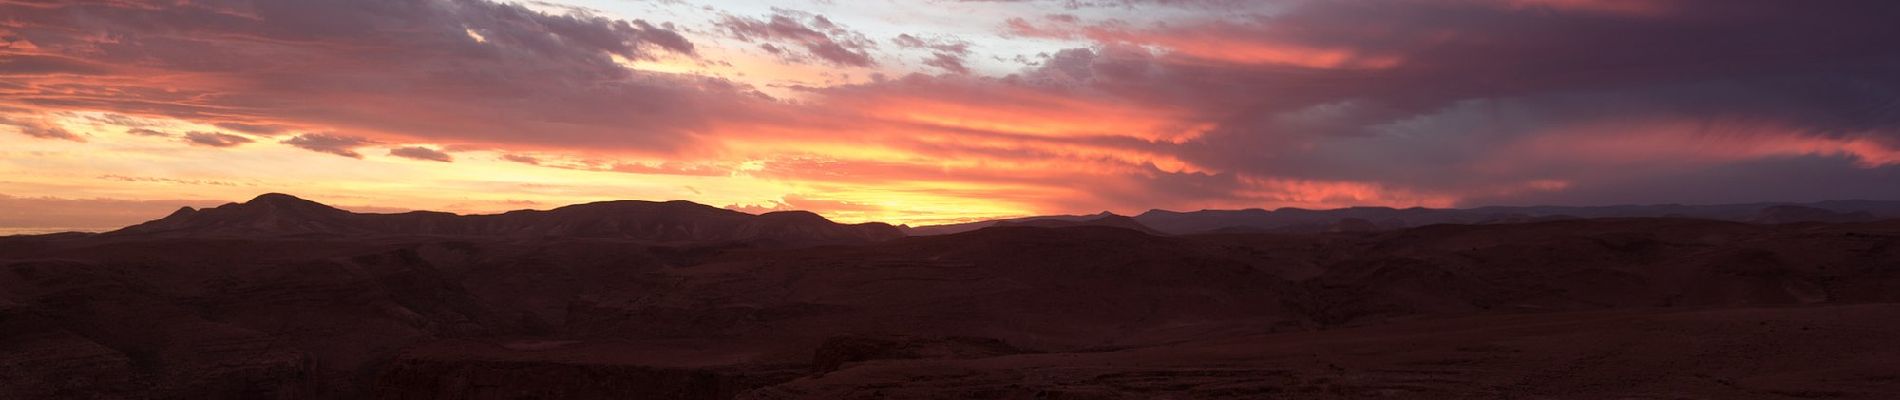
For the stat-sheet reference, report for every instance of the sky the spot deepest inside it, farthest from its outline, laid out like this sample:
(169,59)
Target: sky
(937,111)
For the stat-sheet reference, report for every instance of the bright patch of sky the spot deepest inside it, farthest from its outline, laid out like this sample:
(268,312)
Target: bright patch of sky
(982,24)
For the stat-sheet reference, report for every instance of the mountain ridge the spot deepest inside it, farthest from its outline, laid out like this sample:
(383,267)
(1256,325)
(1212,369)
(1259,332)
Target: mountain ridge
(278,214)
(1301,220)
(282,215)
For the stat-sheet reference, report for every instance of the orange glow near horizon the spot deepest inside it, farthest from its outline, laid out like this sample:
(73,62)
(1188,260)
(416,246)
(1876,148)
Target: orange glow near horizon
(477,182)
(847,182)
(1219,48)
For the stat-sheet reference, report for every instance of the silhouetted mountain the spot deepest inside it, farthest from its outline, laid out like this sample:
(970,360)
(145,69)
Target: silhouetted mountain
(1792,214)
(1297,220)
(280,215)
(1352,225)
(1103,220)
(945,229)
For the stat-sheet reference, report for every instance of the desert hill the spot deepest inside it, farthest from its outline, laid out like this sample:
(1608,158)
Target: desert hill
(280,215)
(282,298)
(1105,220)
(1297,220)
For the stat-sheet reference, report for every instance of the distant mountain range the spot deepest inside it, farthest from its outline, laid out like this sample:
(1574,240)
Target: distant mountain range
(280,215)
(1297,220)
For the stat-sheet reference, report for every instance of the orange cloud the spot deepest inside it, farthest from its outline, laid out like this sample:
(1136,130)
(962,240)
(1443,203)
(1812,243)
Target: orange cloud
(1234,45)
(1330,194)
(1219,42)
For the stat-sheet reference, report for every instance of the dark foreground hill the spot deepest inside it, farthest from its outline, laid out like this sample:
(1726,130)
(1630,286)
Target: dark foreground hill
(1574,309)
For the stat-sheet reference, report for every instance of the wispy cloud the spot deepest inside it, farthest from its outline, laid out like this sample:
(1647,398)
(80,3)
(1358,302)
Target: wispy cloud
(330,143)
(215,139)
(421,153)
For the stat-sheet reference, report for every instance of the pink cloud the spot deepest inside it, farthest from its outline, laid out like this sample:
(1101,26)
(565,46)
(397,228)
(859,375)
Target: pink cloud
(38,127)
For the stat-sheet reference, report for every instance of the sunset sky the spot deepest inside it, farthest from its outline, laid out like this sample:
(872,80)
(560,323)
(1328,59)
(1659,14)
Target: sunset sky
(935,111)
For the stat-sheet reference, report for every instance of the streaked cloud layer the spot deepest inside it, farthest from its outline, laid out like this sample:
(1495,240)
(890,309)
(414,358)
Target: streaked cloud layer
(936,111)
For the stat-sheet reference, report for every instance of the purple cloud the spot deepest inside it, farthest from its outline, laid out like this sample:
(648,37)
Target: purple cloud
(822,39)
(330,143)
(39,128)
(945,54)
(421,153)
(215,139)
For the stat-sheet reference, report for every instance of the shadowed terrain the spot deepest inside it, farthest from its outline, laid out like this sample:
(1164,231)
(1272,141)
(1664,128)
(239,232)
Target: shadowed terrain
(284,298)
(1296,220)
